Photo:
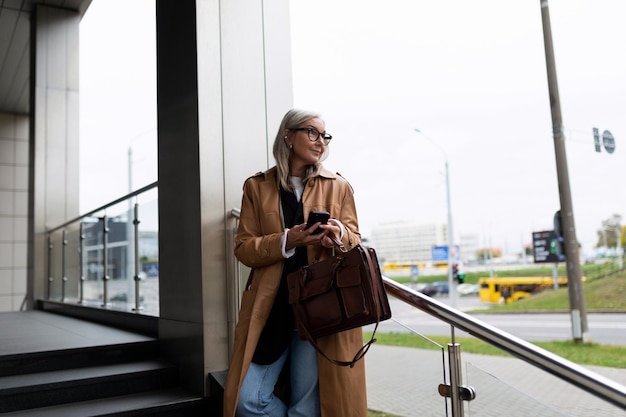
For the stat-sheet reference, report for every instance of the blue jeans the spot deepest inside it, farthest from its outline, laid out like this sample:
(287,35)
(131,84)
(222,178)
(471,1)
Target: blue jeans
(256,397)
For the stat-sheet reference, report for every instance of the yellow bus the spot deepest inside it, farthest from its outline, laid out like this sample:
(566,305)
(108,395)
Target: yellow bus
(494,290)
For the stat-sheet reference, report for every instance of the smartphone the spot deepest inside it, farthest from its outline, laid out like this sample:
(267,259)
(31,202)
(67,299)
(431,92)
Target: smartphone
(317,216)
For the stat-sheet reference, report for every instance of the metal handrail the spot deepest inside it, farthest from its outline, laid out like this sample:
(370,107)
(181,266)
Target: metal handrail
(586,379)
(233,283)
(112,203)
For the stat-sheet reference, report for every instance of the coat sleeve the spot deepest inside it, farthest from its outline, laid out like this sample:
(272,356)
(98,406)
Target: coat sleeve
(258,241)
(348,216)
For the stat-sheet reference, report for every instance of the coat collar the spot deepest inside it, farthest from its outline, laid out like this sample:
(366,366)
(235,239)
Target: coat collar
(271,174)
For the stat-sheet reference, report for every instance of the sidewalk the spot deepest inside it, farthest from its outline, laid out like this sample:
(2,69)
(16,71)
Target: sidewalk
(404,381)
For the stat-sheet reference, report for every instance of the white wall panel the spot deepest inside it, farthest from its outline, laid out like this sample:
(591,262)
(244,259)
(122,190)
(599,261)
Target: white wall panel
(235,127)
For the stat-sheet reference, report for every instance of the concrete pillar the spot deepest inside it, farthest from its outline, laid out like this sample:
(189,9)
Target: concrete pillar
(53,160)
(223,84)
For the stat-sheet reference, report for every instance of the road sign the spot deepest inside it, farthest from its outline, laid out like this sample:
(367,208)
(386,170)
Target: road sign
(439,253)
(607,140)
(546,247)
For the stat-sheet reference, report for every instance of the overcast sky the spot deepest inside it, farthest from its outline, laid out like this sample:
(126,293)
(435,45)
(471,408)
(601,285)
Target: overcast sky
(471,76)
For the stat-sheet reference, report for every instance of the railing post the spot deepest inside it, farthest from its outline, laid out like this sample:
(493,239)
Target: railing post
(50,279)
(136,239)
(81,268)
(456,391)
(63,274)
(105,261)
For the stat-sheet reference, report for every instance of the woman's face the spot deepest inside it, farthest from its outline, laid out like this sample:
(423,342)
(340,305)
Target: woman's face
(304,151)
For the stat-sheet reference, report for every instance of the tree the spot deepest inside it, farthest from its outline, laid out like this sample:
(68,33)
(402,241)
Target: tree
(488,253)
(612,233)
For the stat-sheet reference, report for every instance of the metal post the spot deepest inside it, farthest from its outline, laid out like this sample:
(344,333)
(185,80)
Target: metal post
(105,261)
(451,286)
(456,391)
(81,248)
(50,279)
(136,240)
(578,309)
(233,284)
(454,362)
(63,274)
(618,247)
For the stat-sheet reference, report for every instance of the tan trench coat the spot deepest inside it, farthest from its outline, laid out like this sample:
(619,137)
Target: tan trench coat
(258,245)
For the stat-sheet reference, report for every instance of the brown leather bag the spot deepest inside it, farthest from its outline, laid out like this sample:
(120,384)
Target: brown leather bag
(339,293)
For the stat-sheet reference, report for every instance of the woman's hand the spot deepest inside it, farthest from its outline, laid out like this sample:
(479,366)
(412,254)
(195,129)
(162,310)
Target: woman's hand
(299,235)
(330,230)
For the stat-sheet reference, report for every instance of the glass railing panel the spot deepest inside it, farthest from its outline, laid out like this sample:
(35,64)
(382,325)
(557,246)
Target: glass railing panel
(494,397)
(54,267)
(413,374)
(148,251)
(509,386)
(92,258)
(120,256)
(77,253)
(72,262)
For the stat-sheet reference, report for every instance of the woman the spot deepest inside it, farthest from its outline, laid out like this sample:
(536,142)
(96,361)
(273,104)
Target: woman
(273,240)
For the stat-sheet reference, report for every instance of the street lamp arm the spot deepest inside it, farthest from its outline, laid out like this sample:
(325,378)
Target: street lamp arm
(445,155)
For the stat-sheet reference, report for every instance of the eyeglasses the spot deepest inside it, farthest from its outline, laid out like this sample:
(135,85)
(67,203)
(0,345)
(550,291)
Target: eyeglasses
(314,135)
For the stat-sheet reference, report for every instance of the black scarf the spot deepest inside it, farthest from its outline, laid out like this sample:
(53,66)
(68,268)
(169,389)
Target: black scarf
(280,323)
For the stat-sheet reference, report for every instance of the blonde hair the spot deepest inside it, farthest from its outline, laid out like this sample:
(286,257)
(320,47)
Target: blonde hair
(292,120)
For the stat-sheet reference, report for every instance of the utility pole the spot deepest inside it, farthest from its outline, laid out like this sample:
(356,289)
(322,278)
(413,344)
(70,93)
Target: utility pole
(452,291)
(578,310)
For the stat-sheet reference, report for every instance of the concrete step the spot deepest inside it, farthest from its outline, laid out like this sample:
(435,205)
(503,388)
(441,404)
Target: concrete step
(44,361)
(171,402)
(19,392)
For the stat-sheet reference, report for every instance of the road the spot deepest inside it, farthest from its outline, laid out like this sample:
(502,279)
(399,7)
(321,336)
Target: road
(607,328)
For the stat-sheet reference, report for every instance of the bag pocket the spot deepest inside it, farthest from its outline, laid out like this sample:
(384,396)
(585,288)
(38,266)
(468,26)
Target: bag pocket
(351,292)
(319,303)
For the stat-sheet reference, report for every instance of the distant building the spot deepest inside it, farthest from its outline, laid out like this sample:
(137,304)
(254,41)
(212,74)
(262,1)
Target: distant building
(469,244)
(410,242)
(407,242)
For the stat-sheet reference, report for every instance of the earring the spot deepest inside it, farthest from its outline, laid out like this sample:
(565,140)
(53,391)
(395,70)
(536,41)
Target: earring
(290,147)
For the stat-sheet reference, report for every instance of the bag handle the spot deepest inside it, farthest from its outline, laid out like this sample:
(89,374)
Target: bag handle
(363,350)
(336,241)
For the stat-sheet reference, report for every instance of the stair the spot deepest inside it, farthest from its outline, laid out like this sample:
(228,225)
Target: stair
(120,379)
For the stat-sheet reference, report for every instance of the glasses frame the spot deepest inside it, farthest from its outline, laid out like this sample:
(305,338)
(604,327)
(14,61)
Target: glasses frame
(326,138)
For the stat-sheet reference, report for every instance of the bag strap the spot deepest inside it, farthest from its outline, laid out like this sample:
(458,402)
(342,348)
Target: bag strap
(363,350)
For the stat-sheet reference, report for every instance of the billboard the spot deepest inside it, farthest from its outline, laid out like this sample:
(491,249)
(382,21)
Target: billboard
(547,247)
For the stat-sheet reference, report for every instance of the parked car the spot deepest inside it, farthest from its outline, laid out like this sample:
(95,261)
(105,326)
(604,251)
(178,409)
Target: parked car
(467,289)
(435,288)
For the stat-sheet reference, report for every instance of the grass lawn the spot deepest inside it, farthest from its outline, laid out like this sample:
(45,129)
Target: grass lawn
(580,353)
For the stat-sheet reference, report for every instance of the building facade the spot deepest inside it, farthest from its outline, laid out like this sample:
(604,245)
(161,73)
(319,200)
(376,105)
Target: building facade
(212,75)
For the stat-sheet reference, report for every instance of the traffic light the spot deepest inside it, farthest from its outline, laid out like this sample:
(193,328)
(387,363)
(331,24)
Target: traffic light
(455,273)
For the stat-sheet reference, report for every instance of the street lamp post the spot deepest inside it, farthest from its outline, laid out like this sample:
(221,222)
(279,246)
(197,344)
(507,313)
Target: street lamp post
(451,286)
